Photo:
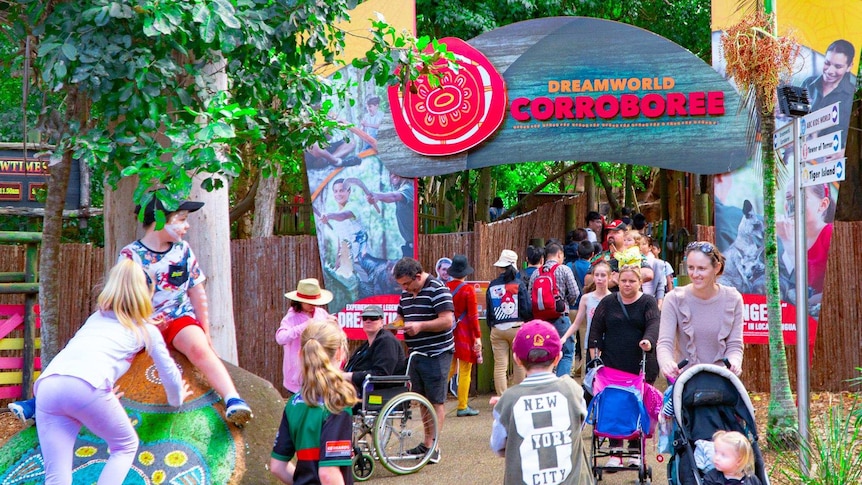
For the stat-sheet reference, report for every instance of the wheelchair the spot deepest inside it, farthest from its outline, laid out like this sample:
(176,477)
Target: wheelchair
(389,423)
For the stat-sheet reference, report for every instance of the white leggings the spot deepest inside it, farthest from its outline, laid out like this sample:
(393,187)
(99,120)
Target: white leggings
(63,405)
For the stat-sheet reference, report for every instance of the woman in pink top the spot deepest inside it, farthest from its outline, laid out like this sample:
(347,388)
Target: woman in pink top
(702,321)
(306,304)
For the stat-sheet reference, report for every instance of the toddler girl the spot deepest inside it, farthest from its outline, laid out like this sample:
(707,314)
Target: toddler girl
(733,459)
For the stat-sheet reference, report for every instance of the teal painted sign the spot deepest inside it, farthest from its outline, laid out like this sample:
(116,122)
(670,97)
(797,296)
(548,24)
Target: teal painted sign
(587,89)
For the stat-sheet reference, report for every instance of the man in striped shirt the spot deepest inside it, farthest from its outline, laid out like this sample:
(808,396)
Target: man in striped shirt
(429,317)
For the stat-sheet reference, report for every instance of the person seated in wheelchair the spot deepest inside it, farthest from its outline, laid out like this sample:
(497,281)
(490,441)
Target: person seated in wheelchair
(381,355)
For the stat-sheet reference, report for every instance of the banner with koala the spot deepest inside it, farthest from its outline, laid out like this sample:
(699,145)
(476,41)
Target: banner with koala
(830,34)
(365,215)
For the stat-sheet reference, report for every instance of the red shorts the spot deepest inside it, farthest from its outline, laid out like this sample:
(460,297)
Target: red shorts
(173,328)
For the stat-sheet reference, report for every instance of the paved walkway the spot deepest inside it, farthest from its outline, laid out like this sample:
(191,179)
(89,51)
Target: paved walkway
(467,457)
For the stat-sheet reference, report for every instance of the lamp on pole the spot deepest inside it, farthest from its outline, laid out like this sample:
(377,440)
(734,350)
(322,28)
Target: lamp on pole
(793,101)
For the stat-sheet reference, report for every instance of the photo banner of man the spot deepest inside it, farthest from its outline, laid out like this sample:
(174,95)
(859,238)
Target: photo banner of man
(830,37)
(365,215)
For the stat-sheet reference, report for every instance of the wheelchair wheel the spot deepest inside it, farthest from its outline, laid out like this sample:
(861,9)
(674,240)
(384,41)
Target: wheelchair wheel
(400,429)
(363,467)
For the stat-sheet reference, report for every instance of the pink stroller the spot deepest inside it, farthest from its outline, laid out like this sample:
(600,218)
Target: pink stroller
(623,407)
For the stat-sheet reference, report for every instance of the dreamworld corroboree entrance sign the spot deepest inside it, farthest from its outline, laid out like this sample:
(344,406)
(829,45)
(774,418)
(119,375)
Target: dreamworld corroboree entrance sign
(567,88)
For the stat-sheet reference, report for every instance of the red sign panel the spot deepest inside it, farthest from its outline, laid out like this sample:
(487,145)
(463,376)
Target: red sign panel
(462,111)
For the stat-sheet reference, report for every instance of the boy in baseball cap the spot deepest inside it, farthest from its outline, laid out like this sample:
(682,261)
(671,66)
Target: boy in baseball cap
(543,410)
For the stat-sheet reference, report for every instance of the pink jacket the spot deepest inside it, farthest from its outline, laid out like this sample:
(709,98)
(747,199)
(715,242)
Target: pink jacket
(288,336)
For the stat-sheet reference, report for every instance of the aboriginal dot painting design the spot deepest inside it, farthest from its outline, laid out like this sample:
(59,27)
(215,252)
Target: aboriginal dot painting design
(192,445)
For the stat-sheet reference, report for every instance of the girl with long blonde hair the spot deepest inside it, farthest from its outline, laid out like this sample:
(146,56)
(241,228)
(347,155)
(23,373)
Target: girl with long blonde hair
(77,387)
(317,423)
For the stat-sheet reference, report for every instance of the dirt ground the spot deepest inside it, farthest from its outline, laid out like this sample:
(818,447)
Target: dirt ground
(820,404)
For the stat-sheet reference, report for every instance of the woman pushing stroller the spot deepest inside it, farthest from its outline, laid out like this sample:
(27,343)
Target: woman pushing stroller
(625,326)
(701,328)
(701,322)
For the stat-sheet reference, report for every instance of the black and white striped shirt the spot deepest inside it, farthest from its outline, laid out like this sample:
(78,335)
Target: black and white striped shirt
(433,299)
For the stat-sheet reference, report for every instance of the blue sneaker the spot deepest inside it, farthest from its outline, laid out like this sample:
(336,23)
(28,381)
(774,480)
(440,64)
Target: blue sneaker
(23,410)
(237,411)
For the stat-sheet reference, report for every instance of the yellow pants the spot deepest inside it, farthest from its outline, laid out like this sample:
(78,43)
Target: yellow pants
(465,372)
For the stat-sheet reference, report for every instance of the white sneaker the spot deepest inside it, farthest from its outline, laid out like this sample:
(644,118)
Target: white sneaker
(614,462)
(634,462)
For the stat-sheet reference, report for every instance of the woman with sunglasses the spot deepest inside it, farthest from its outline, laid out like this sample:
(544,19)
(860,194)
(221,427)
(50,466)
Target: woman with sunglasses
(381,355)
(701,322)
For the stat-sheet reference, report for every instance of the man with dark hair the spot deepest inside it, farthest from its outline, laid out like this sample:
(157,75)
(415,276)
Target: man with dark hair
(429,317)
(595,224)
(568,291)
(535,259)
(626,216)
(835,83)
(639,222)
(573,238)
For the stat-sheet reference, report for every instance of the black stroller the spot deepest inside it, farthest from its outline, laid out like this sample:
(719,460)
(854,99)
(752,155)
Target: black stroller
(707,398)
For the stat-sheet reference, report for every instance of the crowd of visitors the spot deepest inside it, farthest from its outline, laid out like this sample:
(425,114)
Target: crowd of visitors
(605,286)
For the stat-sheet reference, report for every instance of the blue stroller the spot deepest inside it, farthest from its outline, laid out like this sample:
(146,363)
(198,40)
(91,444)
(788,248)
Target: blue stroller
(707,398)
(617,411)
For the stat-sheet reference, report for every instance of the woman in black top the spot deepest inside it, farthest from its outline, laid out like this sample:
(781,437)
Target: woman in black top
(620,339)
(382,355)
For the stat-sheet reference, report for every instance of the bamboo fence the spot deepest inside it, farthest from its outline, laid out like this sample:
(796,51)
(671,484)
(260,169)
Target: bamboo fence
(264,269)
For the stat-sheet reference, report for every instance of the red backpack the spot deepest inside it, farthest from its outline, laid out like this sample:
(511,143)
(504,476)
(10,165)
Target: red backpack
(548,304)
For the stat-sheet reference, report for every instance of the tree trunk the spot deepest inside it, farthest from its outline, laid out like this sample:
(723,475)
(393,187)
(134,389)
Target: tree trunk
(781,419)
(121,221)
(483,202)
(77,111)
(850,195)
(628,190)
(242,186)
(49,259)
(609,190)
(591,192)
(209,238)
(264,205)
(664,193)
(465,210)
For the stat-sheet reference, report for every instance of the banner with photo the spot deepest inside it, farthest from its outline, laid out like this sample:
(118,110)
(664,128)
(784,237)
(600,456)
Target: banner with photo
(830,33)
(365,215)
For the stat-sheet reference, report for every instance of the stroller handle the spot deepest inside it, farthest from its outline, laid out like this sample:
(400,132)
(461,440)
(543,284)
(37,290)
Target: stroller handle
(684,362)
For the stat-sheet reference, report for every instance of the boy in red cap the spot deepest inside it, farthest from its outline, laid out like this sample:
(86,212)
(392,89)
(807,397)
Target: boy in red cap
(537,423)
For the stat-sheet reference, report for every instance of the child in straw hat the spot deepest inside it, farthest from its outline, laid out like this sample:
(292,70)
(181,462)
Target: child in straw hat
(306,304)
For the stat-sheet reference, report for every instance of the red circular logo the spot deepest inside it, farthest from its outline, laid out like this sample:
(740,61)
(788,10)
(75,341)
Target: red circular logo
(462,111)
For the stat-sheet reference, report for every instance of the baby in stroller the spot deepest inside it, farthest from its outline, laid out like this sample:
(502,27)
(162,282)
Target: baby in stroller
(733,459)
(710,408)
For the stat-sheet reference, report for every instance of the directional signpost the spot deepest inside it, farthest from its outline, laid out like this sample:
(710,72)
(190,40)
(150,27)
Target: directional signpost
(822,146)
(806,174)
(823,173)
(783,136)
(821,119)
